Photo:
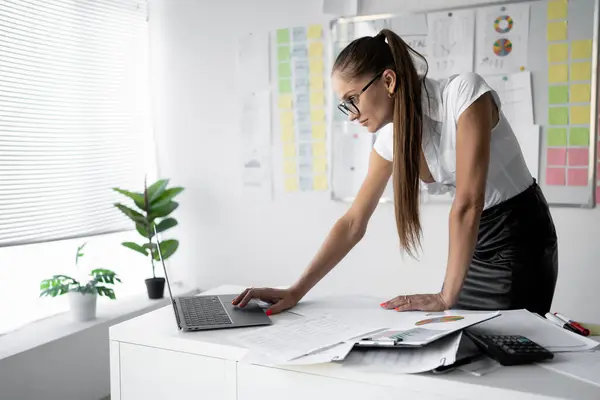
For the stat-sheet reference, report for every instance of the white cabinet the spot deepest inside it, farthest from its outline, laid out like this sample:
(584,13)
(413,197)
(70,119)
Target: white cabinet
(264,383)
(154,374)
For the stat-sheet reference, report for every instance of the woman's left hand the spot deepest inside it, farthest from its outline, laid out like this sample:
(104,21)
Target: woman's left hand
(417,302)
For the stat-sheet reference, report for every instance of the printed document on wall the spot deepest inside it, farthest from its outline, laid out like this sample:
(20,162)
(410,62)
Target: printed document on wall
(253,62)
(502,37)
(516,96)
(450,42)
(256,144)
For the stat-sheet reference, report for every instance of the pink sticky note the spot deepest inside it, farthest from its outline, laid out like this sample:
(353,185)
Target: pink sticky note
(557,156)
(555,176)
(598,195)
(577,177)
(579,157)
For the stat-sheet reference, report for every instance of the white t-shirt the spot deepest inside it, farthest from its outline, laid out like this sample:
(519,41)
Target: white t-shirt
(508,174)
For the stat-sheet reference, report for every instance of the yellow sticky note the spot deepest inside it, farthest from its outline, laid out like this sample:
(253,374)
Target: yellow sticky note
(581,71)
(557,9)
(315,49)
(320,182)
(317,99)
(287,133)
(318,131)
(319,165)
(315,32)
(556,31)
(580,93)
(316,66)
(317,115)
(580,115)
(286,118)
(581,49)
(319,149)
(558,52)
(558,73)
(289,150)
(290,167)
(291,184)
(285,101)
(316,83)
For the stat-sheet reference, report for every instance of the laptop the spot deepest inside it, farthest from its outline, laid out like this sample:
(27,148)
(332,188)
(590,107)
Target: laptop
(204,312)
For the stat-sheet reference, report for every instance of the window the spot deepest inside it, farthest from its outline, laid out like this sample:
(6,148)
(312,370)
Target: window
(74,123)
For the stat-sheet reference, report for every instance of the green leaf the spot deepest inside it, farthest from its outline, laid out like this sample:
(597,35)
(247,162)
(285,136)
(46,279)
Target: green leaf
(105,276)
(160,212)
(132,214)
(157,189)
(79,253)
(167,196)
(165,224)
(136,247)
(138,198)
(58,285)
(167,248)
(141,228)
(104,291)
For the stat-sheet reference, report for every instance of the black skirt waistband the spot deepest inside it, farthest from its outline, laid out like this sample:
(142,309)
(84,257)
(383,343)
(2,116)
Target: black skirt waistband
(530,196)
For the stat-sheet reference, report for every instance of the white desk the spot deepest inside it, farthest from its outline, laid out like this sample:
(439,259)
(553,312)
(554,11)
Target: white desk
(151,359)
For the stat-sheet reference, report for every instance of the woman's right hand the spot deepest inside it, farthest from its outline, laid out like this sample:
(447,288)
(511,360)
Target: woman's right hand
(281,299)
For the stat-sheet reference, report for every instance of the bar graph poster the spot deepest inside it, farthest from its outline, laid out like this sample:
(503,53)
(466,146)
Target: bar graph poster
(300,103)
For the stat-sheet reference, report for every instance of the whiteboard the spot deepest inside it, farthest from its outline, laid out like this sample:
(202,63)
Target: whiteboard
(563,154)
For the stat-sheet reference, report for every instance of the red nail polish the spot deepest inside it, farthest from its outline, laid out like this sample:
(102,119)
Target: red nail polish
(269,312)
(382,304)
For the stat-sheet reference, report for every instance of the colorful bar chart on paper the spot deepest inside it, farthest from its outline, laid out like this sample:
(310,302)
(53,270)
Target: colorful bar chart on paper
(301,106)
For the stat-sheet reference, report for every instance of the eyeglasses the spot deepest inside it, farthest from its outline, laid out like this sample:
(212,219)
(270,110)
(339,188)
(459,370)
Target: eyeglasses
(349,106)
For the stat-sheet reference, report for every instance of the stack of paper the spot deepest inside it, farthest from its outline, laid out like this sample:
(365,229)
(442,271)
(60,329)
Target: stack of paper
(406,360)
(284,343)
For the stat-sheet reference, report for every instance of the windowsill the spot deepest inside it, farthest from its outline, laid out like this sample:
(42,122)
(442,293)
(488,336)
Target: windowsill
(61,325)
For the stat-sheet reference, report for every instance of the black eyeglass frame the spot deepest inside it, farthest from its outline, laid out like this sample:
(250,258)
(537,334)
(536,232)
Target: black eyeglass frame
(346,106)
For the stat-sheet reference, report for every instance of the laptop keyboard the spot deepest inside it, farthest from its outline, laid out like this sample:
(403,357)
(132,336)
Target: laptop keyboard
(204,311)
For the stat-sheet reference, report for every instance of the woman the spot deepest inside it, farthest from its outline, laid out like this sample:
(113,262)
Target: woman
(447,134)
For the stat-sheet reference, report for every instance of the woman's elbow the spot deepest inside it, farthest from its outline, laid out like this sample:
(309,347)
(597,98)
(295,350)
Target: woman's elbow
(469,205)
(354,229)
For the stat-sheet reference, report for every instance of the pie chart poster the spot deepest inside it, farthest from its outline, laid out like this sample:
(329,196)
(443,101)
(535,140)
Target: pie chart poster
(502,34)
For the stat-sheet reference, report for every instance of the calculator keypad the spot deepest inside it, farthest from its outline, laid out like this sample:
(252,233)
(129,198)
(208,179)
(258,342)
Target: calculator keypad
(515,344)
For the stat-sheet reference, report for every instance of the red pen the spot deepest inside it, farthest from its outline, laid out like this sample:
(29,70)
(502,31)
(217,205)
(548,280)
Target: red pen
(580,329)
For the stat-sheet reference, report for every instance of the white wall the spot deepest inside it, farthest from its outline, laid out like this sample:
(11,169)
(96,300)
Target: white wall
(228,239)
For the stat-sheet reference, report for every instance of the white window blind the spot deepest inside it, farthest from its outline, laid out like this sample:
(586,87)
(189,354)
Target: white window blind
(74,116)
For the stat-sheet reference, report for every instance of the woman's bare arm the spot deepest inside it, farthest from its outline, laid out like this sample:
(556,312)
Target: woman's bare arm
(350,228)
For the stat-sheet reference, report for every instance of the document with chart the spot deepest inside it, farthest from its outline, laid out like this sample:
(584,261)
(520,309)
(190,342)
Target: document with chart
(416,329)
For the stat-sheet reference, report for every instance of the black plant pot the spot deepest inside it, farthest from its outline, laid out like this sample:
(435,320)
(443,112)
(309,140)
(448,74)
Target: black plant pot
(156,287)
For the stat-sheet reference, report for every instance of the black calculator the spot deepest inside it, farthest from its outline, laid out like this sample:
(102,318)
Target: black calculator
(510,349)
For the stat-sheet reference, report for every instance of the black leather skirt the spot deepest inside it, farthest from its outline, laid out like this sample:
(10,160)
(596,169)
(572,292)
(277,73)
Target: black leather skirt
(515,263)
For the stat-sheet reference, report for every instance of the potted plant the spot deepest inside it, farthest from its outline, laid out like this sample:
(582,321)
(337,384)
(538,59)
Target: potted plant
(151,208)
(82,294)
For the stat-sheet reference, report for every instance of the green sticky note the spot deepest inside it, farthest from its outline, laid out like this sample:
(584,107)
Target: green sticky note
(558,115)
(283,36)
(283,53)
(557,137)
(579,136)
(285,70)
(558,94)
(285,85)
